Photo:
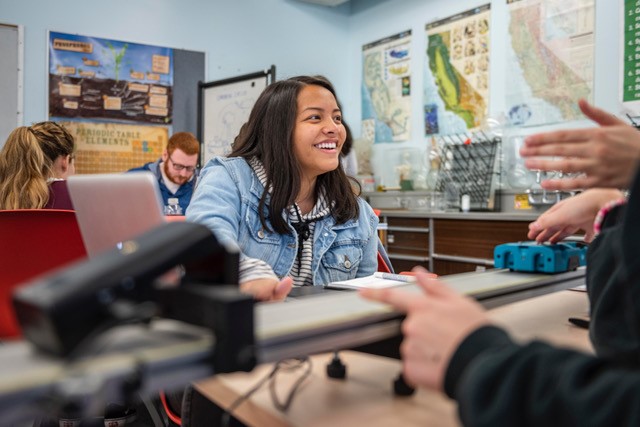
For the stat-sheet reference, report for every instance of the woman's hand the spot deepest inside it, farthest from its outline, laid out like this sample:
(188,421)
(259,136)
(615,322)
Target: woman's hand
(268,289)
(437,321)
(605,156)
(570,215)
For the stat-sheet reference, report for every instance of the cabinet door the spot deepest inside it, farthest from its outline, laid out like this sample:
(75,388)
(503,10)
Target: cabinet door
(476,239)
(469,240)
(443,267)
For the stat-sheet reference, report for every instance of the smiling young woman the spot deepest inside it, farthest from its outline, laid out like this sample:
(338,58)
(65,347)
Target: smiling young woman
(283,198)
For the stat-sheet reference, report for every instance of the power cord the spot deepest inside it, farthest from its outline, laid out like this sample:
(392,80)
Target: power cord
(282,365)
(286,365)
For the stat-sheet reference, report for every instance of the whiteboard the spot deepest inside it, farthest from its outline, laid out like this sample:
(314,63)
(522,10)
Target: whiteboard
(224,107)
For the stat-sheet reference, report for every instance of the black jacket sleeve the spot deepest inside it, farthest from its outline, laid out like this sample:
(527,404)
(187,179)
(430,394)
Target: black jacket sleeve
(500,383)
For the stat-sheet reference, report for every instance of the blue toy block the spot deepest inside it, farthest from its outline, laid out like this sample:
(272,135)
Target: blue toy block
(533,257)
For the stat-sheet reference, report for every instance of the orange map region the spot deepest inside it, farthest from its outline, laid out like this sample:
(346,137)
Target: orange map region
(471,100)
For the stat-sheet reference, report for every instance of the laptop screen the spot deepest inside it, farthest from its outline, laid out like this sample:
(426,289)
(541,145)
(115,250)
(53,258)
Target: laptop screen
(112,208)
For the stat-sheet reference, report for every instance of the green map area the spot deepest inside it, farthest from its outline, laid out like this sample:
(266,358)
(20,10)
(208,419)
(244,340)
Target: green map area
(458,95)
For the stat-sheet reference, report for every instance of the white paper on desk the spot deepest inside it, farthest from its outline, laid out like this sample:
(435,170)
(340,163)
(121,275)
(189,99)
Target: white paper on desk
(365,282)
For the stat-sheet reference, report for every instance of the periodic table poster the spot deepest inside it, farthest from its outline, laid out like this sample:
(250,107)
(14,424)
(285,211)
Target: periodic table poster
(114,96)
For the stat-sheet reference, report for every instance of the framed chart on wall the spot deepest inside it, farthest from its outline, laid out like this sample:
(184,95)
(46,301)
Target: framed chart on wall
(117,98)
(224,106)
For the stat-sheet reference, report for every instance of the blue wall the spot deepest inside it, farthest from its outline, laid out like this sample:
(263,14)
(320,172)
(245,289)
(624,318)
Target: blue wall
(243,36)
(238,36)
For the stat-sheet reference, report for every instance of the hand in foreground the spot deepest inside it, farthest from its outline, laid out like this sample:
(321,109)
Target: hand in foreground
(606,156)
(437,321)
(571,215)
(268,289)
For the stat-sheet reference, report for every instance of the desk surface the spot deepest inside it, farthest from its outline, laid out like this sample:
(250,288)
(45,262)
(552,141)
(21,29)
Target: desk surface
(165,349)
(365,398)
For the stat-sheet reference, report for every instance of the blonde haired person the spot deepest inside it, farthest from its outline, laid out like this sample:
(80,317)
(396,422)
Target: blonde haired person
(34,164)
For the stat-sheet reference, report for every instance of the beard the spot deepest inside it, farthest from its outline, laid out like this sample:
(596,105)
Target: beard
(176,179)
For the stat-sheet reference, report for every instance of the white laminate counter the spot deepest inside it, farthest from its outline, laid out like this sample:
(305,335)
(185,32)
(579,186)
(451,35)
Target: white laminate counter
(482,216)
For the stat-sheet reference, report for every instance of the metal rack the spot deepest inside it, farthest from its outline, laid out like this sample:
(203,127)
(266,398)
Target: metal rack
(470,164)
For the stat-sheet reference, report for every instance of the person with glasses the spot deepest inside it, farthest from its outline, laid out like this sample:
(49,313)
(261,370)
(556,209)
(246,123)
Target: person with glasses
(176,170)
(282,197)
(35,162)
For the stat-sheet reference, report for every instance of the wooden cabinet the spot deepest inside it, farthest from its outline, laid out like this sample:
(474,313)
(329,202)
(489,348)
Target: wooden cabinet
(449,244)
(465,245)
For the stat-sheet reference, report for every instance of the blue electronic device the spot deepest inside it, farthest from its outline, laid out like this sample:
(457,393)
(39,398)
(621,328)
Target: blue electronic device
(534,257)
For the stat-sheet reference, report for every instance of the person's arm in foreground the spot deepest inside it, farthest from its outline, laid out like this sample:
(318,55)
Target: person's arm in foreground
(604,156)
(568,216)
(450,345)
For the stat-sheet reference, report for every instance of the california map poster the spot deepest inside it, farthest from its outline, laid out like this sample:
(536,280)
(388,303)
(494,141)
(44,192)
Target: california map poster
(386,89)
(550,60)
(94,78)
(456,91)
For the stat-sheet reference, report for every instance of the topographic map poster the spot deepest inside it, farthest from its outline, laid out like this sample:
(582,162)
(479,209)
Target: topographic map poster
(550,59)
(386,89)
(631,57)
(94,78)
(456,91)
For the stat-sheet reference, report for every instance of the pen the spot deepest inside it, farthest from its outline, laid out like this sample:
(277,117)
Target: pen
(581,323)
(398,277)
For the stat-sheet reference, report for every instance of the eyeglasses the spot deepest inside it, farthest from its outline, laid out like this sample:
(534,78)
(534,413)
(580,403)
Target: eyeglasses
(179,167)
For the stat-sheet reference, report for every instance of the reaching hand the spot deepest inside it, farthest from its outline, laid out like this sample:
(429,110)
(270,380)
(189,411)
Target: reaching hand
(437,322)
(268,289)
(570,215)
(605,156)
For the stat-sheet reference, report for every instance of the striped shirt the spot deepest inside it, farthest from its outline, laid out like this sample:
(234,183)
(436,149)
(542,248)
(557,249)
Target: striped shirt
(253,268)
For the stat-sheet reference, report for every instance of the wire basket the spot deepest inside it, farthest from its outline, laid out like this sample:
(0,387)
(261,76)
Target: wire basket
(470,164)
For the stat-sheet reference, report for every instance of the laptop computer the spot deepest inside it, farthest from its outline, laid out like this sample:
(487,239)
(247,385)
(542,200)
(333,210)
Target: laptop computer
(112,208)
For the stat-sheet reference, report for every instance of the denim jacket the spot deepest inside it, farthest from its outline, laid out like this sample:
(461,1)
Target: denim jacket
(226,200)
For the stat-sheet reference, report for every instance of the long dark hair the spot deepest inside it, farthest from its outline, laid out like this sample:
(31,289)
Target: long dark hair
(268,136)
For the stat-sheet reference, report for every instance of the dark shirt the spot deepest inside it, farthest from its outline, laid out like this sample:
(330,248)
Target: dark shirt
(59,196)
(499,382)
(184,193)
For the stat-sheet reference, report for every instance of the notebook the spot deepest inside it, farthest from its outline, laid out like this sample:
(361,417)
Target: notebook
(377,280)
(111,208)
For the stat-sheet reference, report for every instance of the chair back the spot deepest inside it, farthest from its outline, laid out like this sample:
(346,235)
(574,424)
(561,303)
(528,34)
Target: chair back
(384,263)
(33,242)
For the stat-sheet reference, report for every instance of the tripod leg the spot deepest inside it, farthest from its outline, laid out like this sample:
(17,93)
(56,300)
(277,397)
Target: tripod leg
(401,388)
(336,369)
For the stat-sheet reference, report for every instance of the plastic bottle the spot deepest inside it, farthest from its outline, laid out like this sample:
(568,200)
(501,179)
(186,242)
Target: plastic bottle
(465,203)
(173,208)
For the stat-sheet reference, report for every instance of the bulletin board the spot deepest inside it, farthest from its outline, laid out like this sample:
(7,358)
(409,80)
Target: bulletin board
(224,107)
(119,99)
